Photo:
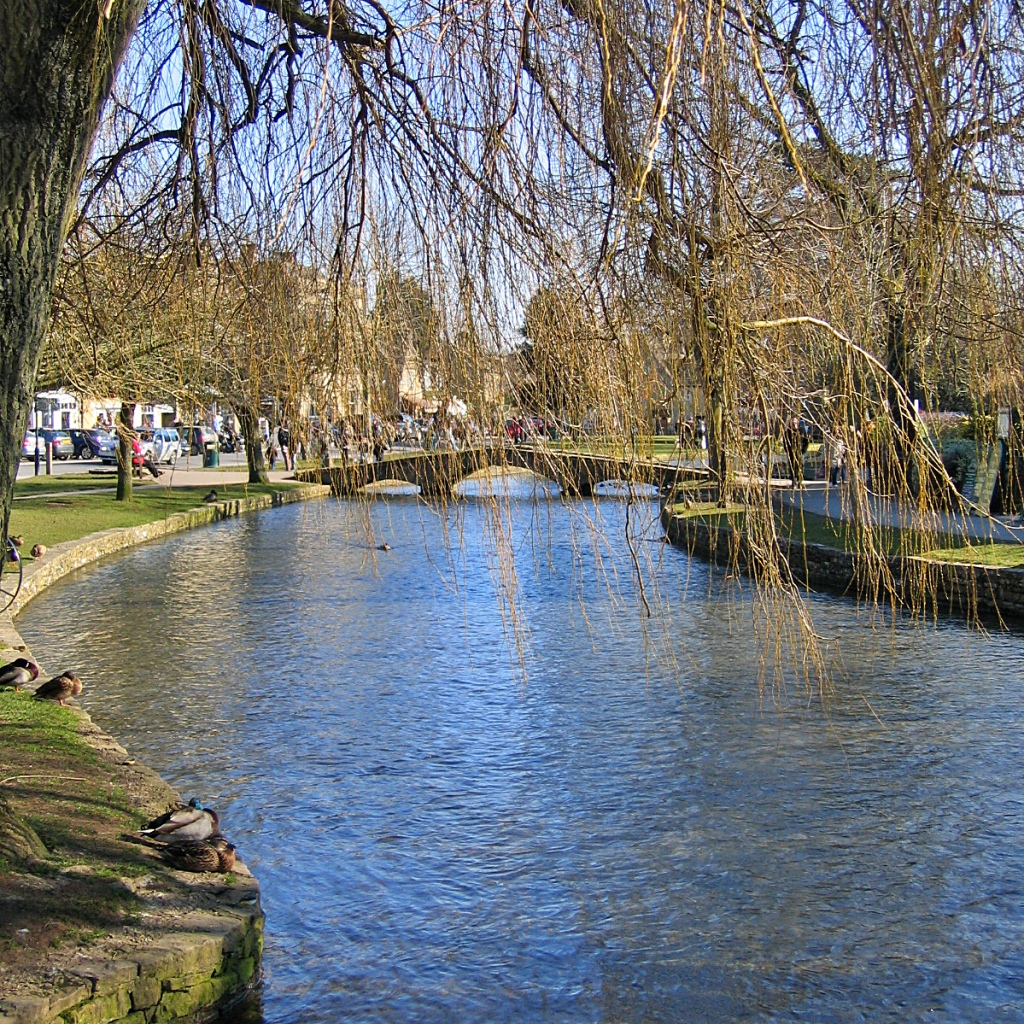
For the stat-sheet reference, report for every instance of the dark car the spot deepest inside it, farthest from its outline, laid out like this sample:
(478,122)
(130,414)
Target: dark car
(104,445)
(95,443)
(194,439)
(60,442)
(79,438)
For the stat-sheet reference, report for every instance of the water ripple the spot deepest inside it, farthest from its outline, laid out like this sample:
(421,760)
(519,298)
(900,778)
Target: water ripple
(438,839)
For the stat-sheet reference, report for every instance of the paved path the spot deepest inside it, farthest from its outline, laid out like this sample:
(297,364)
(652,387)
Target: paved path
(834,502)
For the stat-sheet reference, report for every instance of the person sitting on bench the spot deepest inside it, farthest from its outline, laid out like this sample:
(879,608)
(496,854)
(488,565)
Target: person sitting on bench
(140,460)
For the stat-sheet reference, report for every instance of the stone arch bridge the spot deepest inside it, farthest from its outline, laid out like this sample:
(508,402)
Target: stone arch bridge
(436,473)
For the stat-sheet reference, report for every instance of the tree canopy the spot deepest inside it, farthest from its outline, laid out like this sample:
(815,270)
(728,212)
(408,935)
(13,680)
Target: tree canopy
(795,208)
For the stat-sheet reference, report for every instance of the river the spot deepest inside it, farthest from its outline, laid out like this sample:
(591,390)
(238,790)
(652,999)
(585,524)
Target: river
(606,821)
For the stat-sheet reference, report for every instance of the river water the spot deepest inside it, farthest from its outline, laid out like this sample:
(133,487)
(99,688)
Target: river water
(605,822)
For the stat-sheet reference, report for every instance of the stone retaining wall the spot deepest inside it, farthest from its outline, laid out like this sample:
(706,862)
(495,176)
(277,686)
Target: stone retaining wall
(190,973)
(926,587)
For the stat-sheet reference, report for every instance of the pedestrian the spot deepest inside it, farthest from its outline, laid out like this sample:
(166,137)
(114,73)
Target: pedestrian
(346,441)
(284,439)
(794,442)
(837,473)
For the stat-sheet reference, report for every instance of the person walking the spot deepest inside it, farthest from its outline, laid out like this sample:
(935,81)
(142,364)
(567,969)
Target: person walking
(284,439)
(794,443)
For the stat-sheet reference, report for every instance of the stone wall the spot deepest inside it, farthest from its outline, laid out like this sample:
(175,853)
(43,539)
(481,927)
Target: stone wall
(925,587)
(188,973)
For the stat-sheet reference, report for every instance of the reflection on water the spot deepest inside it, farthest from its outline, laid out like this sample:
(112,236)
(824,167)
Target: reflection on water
(610,840)
(516,485)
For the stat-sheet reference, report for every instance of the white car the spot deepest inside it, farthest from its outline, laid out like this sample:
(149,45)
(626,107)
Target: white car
(165,446)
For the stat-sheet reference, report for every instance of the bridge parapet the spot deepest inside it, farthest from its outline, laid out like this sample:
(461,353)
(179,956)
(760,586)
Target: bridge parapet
(436,473)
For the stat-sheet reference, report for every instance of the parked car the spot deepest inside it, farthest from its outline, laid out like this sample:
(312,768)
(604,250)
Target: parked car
(165,445)
(103,445)
(28,445)
(89,442)
(195,438)
(80,439)
(63,448)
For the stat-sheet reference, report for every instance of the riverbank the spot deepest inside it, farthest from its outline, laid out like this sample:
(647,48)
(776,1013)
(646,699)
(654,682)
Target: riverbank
(824,557)
(95,928)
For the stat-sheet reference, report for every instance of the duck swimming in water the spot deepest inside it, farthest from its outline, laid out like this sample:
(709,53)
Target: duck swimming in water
(212,854)
(19,672)
(60,688)
(183,824)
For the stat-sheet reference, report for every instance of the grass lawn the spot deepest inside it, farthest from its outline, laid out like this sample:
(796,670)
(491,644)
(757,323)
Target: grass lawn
(70,482)
(71,515)
(814,529)
(68,810)
(996,556)
(662,448)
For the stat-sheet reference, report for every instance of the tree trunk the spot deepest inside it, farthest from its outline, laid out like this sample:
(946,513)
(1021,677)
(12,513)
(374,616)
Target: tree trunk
(124,451)
(57,65)
(253,444)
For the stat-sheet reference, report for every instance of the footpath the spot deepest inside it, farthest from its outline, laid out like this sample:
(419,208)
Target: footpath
(833,503)
(94,927)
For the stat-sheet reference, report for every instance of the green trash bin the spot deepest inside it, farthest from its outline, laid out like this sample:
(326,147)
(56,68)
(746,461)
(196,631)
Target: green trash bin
(211,457)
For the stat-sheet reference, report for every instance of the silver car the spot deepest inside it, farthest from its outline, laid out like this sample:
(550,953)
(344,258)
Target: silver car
(166,445)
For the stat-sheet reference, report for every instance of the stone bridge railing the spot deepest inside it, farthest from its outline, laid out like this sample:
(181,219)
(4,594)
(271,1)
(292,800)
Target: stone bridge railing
(436,473)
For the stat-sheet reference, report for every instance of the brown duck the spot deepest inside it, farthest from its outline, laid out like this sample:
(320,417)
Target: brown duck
(60,688)
(212,854)
(19,672)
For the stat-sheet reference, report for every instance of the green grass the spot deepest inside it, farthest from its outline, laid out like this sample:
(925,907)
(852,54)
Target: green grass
(660,448)
(72,516)
(996,556)
(842,535)
(70,482)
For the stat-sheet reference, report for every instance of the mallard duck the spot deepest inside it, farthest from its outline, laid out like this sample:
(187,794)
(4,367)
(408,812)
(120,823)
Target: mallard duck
(38,550)
(18,540)
(212,854)
(211,498)
(60,688)
(384,547)
(19,672)
(167,816)
(183,824)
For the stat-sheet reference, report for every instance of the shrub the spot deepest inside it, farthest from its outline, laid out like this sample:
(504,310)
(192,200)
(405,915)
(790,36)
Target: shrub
(959,457)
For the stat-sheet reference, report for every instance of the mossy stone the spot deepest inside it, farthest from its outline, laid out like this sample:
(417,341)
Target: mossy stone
(246,968)
(101,1009)
(146,992)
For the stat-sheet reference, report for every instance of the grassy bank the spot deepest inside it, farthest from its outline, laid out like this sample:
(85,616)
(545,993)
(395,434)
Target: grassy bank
(67,514)
(62,808)
(809,528)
